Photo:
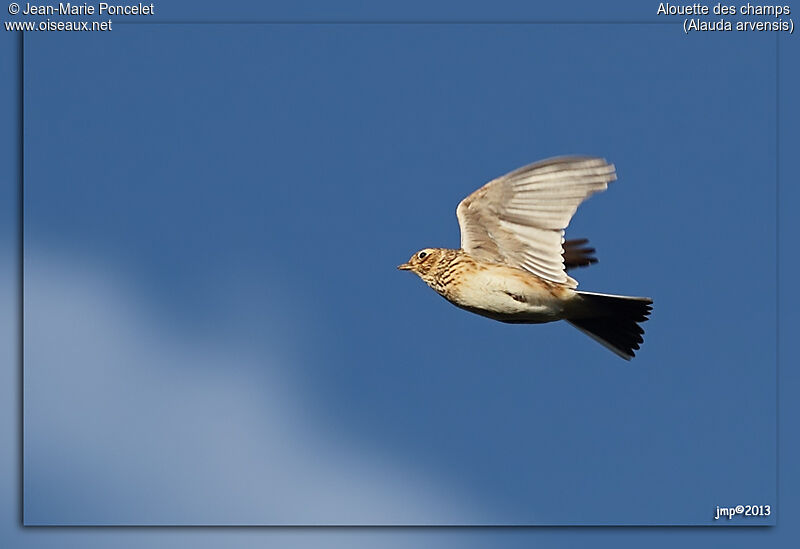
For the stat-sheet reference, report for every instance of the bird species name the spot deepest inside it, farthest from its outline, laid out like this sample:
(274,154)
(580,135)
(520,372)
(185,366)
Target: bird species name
(726,25)
(722,9)
(694,23)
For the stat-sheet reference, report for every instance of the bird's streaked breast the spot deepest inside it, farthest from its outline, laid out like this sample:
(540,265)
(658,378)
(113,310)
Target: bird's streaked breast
(496,290)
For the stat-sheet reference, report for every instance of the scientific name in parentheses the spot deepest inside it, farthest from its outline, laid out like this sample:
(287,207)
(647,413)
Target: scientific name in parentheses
(103,8)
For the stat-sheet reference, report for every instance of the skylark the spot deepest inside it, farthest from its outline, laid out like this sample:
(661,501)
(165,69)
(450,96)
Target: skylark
(513,261)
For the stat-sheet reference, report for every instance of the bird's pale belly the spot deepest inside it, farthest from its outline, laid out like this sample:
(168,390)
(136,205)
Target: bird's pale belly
(508,295)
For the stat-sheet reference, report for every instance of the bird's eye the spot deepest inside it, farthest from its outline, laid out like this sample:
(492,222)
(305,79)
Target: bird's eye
(422,255)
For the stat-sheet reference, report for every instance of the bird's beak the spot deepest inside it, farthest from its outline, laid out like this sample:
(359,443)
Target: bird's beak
(404,267)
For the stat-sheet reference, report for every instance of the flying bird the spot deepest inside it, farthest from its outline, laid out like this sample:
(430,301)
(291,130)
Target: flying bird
(513,261)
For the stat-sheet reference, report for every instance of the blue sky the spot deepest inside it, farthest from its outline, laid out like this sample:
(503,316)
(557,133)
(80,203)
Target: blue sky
(238,280)
(255,187)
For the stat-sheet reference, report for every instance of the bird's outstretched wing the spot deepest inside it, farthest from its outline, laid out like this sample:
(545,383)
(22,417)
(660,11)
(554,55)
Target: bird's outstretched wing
(519,218)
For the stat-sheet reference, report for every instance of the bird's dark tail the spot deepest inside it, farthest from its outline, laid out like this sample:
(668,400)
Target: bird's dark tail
(613,320)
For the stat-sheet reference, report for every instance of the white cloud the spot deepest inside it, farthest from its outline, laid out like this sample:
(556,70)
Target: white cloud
(132,419)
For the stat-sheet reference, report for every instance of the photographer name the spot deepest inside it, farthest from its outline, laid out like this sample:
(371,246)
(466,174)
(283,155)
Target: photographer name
(102,8)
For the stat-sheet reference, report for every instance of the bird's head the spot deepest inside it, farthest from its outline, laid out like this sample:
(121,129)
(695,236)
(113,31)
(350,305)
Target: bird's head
(422,262)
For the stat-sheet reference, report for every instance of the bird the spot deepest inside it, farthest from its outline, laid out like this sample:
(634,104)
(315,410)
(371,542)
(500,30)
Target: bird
(513,261)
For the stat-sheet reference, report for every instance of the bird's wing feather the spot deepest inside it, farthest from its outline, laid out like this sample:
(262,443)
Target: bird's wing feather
(578,253)
(519,218)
